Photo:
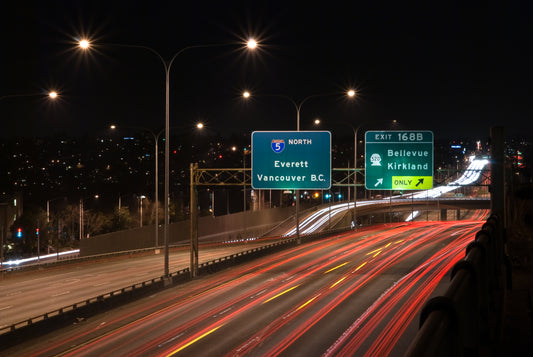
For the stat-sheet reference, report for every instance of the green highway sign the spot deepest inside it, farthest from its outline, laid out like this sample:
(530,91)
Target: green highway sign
(291,160)
(399,160)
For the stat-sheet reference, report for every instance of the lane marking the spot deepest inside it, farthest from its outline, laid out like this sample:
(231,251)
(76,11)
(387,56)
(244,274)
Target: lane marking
(61,293)
(193,341)
(359,267)
(281,293)
(337,267)
(100,284)
(337,282)
(307,302)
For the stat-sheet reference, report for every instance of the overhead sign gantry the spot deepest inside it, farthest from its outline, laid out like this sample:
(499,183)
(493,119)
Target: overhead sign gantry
(398,160)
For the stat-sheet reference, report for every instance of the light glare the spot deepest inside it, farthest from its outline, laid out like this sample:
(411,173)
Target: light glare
(246,94)
(52,94)
(351,93)
(200,125)
(84,44)
(251,44)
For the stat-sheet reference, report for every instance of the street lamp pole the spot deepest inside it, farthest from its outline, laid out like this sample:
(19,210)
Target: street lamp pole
(156,177)
(356,130)
(141,210)
(81,219)
(355,175)
(81,215)
(85,44)
(298,107)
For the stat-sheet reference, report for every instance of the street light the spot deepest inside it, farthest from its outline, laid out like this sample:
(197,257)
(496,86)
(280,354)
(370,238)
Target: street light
(82,212)
(355,132)
(355,164)
(167,65)
(84,44)
(199,125)
(298,107)
(156,177)
(141,210)
(48,220)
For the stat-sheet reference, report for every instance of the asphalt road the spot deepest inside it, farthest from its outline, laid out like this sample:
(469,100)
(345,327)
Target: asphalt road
(353,294)
(32,293)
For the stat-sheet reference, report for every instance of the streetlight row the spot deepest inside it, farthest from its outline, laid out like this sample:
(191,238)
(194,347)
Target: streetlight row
(251,44)
(85,44)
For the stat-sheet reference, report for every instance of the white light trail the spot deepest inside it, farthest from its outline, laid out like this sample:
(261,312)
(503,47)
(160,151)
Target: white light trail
(322,217)
(34,259)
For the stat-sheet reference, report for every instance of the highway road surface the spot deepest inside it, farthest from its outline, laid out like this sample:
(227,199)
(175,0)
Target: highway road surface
(356,293)
(31,293)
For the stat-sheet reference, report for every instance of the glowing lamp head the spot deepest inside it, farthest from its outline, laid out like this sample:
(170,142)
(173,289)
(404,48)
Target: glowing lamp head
(84,44)
(251,44)
(52,94)
(200,125)
(246,94)
(351,93)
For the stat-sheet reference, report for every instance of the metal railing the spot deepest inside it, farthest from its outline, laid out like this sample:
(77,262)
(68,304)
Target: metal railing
(459,323)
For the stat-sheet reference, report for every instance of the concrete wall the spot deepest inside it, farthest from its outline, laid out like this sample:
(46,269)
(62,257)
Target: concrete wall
(221,228)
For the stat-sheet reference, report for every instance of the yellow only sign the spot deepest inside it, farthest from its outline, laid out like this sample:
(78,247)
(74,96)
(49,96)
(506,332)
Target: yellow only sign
(412,182)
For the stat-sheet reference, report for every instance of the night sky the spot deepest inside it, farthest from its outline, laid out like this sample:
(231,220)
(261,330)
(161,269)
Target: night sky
(445,66)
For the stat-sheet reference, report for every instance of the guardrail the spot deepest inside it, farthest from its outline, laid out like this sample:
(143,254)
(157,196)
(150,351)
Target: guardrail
(460,322)
(17,332)
(34,326)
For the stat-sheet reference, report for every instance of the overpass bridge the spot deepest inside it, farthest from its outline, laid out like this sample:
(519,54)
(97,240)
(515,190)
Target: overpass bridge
(282,222)
(437,198)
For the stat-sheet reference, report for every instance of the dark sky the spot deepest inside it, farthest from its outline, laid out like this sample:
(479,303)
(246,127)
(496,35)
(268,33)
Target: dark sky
(446,66)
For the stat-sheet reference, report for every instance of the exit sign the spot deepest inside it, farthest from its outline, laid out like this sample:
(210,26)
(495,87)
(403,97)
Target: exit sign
(398,160)
(291,160)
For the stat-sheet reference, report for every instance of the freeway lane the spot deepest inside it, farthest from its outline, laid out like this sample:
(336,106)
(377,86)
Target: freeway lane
(353,294)
(28,294)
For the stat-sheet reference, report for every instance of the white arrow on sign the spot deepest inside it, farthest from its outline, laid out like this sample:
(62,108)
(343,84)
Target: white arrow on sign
(380,182)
